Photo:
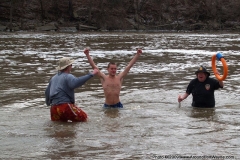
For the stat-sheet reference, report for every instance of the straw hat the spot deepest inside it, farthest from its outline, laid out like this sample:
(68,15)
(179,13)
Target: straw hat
(63,63)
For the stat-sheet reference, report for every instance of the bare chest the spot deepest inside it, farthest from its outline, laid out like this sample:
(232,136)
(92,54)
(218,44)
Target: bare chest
(112,83)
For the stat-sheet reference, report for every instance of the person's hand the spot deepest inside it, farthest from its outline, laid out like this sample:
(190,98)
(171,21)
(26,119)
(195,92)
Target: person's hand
(95,71)
(86,50)
(139,51)
(180,98)
(217,73)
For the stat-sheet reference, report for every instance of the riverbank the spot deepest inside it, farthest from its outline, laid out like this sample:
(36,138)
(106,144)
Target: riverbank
(89,15)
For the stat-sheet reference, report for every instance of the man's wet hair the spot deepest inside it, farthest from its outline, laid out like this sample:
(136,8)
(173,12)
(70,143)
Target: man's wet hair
(111,63)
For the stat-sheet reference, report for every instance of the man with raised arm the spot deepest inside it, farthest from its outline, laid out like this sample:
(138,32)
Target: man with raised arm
(112,83)
(202,89)
(59,93)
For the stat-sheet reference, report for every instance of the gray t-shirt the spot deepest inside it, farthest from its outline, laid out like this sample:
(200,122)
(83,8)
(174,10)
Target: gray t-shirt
(61,88)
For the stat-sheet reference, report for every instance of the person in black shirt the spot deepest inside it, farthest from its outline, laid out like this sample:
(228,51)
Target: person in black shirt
(202,89)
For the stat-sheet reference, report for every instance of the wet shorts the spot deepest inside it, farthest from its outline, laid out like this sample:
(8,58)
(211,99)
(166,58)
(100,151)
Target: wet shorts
(118,105)
(67,111)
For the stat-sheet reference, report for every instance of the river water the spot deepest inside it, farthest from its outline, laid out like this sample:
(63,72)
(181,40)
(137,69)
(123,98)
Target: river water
(151,125)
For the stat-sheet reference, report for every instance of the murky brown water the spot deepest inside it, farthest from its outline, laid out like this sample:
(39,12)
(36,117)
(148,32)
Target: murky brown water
(151,124)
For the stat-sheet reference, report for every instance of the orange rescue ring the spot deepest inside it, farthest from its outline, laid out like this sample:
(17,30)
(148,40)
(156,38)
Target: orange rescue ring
(225,67)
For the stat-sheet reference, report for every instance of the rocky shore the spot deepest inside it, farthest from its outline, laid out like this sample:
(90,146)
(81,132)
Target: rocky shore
(109,15)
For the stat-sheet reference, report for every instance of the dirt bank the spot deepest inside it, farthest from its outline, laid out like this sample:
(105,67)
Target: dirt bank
(74,15)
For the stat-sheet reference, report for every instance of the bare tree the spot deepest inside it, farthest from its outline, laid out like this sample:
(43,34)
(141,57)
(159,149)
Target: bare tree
(42,10)
(136,8)
(70,8)
(90,4)
(11,15)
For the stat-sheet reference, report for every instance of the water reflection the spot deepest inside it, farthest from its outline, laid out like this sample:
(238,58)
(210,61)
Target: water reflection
(112,112)
(205,113)
(62,140)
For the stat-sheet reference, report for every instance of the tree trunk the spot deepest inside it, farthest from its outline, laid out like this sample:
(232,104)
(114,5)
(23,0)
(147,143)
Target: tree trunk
(70,9)
(90,12)
(56,10)
(136,8)
(11,13)
(42,10)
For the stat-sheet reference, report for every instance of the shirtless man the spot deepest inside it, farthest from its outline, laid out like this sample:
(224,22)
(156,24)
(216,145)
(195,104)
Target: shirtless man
(112,83)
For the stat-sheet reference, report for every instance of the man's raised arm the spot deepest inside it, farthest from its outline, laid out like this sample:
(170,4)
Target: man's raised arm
(131,63)
(91,62)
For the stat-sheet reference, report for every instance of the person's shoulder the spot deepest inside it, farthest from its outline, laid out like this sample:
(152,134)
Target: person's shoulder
(110,77)
(212,79)
(116,77)
(119,76)
(194,80)
(54,76)
(69,75)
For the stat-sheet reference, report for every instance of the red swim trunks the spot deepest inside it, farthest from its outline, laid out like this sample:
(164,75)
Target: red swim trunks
(67,111)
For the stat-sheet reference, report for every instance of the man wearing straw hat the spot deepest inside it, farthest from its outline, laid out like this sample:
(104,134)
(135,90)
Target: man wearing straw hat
(59,93)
